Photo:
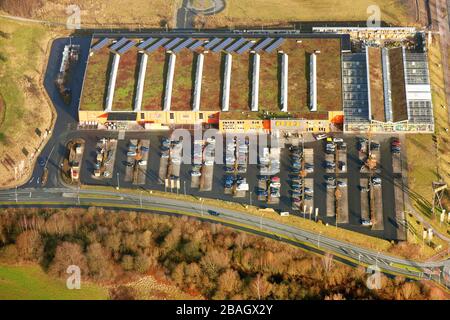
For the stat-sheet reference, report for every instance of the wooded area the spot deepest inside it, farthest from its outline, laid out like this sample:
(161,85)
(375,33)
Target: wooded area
(200,258)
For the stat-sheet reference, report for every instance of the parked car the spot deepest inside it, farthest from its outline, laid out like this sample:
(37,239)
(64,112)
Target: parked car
(321,136)
(395,142)
(330,165)
(131,153)
(342,184)
(396,149)
(342,146)
(374,146)
(295,170)
(331,186)
(366,222)
(376,180)
(129,164)
(42,161)
(142,162)
(364,189)
(195,173)
(307,197)
(338,140)
(330,179)
(296,164)
(362,140)
(309,169)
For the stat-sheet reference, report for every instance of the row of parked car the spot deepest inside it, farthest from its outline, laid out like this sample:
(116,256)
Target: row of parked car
(238,180)
(273,187)
(332,183)
(298,190)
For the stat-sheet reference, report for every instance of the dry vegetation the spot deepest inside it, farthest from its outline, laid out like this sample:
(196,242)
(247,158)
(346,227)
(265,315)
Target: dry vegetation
(183,82)
(201,259)
(376,84)
(25,113)
(429,156)
(276,13)
(138,13)
(94,13)
(126,81)
(211,84)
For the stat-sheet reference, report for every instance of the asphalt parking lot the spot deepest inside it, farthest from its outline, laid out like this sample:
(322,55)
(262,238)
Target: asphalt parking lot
(351,203)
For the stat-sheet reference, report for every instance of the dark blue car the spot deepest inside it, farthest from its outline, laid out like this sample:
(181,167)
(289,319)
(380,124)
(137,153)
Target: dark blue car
(42,161)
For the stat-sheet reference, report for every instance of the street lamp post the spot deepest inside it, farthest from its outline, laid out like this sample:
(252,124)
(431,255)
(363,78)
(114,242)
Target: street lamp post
(201,206)
(118,184)
(260,220)
(140,199)
(250,198)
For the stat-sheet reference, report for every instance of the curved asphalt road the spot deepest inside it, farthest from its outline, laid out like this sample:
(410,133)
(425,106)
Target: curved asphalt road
(355,255)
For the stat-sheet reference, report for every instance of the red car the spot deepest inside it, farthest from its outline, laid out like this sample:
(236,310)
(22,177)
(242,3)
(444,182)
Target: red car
(395,143)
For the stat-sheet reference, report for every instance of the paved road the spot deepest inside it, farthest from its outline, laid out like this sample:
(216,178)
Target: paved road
(70,197)
(186,14)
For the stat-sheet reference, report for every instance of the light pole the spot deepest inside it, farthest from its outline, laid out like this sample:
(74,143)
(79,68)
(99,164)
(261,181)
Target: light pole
(359,258)
(16,195)
(260,220)
(118,185)
(250,198)
(184,188)
(140,199)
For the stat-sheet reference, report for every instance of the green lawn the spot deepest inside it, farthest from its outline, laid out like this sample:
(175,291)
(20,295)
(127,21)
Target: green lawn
(18,46)
(31,283)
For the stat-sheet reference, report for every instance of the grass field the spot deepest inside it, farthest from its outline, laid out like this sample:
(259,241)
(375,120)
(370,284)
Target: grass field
(115,13)
(159,13)
(427,160)
(31,283)
(25,111)
(257,12)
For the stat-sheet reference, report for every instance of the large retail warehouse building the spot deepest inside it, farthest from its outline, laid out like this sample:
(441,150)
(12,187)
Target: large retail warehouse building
(271,82)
